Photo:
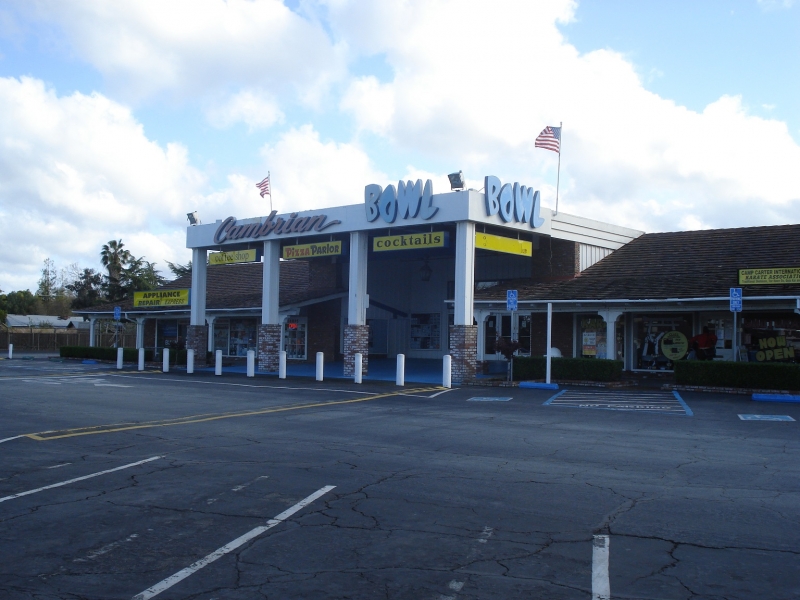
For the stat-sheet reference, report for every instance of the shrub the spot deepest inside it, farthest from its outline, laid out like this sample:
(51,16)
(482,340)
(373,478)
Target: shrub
(576,369)
(96,353)
(774,376)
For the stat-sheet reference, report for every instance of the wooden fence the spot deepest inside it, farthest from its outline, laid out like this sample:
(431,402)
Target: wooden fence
(35,339)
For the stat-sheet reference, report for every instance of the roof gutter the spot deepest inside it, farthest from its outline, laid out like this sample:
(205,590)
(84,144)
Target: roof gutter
(616,300)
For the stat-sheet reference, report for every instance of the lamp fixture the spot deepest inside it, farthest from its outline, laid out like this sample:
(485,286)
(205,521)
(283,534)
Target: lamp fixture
(456,180)
(193,218)
(425,272)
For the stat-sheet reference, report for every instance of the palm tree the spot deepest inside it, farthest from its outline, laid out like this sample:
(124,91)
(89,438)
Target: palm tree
(114,258)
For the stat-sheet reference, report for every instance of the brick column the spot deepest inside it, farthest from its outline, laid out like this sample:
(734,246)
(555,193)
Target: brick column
(464,352)
(269,346)
(197,340)
(356,339)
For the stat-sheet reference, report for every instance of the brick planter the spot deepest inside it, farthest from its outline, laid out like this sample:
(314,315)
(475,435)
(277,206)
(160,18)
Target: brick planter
(269,346)
(464,352)
(197,340)
(356,339)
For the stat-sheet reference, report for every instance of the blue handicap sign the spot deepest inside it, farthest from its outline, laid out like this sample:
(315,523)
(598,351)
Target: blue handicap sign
(511,299)
(117,313)
(736,299)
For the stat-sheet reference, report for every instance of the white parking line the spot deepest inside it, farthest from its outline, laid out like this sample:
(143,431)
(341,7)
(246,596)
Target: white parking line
(55,485)
(601,588)
(16,437)
(238,542)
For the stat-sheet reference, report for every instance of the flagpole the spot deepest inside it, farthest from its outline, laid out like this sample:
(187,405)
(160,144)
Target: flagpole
(558,177)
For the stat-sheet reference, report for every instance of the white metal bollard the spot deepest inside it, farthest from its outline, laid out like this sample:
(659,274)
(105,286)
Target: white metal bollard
(190,361)
(357,366)
(119,358)
(320,365)
(141,359)
(165,362)
(282,364)
(400,377)
(251,363)
(446,371)
(218,363)
(10,351)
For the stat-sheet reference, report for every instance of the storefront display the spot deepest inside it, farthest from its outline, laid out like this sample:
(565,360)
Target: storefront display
(295,338)
(592,337)
(235,336)
(660,340)
(425,331)
(771,338)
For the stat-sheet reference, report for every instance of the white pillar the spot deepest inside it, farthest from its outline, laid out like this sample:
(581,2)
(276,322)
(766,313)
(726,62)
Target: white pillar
(282,364)
(140,366)
(165,362)
(480,317)
(251,363)
(400,378)
(549,338)
(199,275)
(320,365)
(91,331)
(119,358)
(218,362)
(10,351)
(140,333)
(271,283)
(465,273)
(357,365)
(447,371)
(210,321)
(358,301)
(610,317)
(190,361)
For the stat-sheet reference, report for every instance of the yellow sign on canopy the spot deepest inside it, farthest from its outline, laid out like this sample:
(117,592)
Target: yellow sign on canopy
(498,243)
(235,256)
(156,298)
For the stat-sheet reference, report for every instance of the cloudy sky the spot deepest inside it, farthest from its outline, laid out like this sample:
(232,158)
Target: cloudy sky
(118,118)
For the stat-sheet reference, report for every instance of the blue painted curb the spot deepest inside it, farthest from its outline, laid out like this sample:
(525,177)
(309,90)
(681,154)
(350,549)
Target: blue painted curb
(775,398)
(538,386)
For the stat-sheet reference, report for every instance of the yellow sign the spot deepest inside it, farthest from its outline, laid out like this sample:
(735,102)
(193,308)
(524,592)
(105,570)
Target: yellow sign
(313,250)
(411,241)
(236,256)
(774,348)
(161,298)
(674,345)
(769,276)
(503,244)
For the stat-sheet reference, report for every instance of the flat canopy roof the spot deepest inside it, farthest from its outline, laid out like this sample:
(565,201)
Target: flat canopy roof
(412,209)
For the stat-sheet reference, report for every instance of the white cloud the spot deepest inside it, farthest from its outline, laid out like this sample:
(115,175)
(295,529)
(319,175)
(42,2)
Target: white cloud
(477,82)
(188,47)
(76,171)
(308,172)
(256,109)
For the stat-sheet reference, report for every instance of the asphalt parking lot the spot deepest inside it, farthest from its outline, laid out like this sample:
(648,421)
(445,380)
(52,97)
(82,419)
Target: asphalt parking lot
(118,484)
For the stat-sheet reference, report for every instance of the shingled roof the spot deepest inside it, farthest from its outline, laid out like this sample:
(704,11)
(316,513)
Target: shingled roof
(239,286)
(684,264)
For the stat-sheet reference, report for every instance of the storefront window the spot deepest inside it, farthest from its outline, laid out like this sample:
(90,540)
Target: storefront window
(244,336)
(295,337)
(426,331)
(498,326)
(222,328)
(170,333)
(524,333)
(592,337)
(660,341)
(771,338)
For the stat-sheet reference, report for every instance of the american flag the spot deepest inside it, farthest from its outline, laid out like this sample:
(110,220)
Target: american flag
(549,139)
(264,187)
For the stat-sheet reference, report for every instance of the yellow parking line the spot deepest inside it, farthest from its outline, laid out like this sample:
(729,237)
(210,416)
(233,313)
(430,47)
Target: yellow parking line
(44,436)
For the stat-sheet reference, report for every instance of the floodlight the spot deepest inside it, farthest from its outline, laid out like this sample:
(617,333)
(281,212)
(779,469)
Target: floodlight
(456,180)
